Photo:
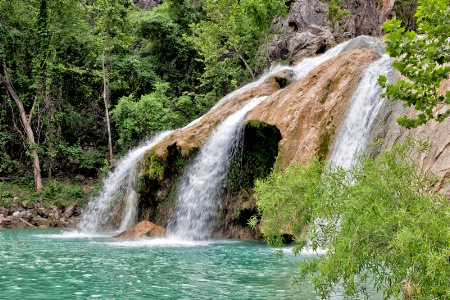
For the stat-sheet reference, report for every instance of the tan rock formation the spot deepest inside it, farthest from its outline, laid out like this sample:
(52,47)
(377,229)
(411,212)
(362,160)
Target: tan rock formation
(308,112)
(193,136)
(142,229)
(436,159)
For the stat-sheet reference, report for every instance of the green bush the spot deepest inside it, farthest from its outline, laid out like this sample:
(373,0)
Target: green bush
(382,223)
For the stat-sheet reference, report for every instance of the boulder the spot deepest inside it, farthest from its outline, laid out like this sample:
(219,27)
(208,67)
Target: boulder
(142,229)
(69,211)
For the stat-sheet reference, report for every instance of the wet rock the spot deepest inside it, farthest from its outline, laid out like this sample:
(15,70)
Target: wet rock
(192,137)
(78,210)
(364,42)
(143,229)
(308,112)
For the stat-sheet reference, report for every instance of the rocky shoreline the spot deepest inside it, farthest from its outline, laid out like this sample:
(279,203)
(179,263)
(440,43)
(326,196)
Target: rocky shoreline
(37,216)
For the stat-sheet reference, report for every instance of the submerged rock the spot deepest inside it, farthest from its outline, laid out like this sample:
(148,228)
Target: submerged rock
(142,229)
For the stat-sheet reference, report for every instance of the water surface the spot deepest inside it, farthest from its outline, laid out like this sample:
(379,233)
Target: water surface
(48,264)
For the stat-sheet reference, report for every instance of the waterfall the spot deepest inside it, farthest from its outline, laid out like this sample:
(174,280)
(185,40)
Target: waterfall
(199,194)
(364,106)
(119,183)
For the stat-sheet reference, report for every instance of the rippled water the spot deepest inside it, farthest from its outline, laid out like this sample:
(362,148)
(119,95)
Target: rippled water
(45,264)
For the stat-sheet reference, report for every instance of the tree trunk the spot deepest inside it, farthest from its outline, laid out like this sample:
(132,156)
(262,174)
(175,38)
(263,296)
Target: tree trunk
(26,122)
(106,100)
(245,63)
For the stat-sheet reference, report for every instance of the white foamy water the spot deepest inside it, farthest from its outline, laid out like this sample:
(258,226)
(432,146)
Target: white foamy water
(199,194)
(161,242)
(120,182)
(307,65)
(353,135)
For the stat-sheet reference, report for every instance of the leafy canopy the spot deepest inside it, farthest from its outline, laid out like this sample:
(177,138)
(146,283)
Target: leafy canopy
(230,37)
(422,58)
(381,222)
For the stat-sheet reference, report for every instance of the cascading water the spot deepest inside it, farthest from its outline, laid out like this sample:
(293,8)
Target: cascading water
(122,180)
(300,70)
(364,106)
(199,195)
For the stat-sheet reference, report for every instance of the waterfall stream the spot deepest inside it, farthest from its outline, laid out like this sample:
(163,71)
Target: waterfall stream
(353,135)
(119,183)
(200,186)
(199,194)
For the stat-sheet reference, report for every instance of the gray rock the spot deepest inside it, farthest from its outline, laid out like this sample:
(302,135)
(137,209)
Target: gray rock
(147,4)
(367,16)
(26,215)
(4,211)
(16,207)
(305,13)
(362,42)
(55,213)
(69,211)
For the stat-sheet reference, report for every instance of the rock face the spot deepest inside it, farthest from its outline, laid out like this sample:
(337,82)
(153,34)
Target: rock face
(192,137)
(142,229)
(307,31)
(147,4)
(35,215)
(367,16)
(297,120)
(436,158)
(164,164)
(309,112)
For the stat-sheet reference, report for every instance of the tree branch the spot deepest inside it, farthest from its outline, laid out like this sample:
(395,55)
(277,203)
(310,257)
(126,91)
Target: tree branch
(245,63)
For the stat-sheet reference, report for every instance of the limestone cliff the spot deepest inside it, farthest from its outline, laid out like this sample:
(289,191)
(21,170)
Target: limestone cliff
(309,112)
(386,131)
(294,123)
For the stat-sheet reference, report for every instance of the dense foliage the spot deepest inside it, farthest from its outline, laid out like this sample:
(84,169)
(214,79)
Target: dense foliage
(422,58)
(66,66)
(231,39)
(381,222)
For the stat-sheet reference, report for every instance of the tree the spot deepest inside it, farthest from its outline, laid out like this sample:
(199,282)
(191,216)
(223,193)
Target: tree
(111,27)
(230,37)
(5,78)
(422,58)
(136,120)
(46,58)
(382,223)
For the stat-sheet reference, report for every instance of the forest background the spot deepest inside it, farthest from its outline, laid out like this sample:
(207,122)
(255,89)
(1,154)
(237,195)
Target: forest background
(83,81)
